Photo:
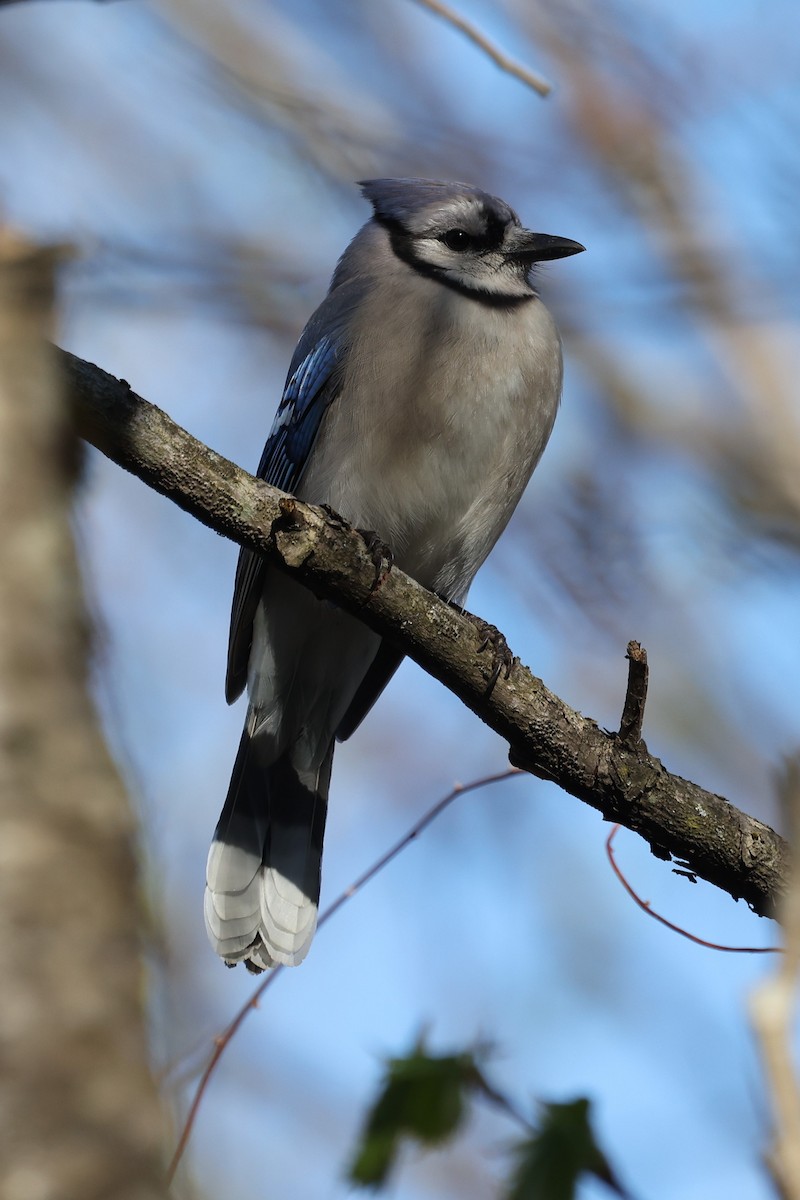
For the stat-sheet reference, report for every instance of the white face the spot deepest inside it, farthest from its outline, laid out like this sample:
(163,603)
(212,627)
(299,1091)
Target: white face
(469,246)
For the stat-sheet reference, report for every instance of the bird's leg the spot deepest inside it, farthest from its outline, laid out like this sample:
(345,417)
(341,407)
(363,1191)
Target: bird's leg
(382,559)
(381,555)
(502,658)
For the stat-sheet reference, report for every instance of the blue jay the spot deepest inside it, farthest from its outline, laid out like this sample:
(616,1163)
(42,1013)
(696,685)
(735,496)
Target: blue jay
(418,402)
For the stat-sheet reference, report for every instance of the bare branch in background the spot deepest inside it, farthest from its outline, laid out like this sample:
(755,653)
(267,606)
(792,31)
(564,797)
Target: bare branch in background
(638,154)
(711,838)
(524,74)
(272,75)
(647,907)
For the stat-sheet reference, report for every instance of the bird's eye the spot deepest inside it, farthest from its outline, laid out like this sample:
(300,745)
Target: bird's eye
(456,239)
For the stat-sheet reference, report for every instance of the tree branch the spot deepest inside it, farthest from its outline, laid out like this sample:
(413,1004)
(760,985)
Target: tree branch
(630,726)
(622,780)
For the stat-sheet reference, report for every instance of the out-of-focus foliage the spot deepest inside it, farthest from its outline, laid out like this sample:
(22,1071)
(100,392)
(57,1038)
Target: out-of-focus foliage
(553,1160)
(424,1098)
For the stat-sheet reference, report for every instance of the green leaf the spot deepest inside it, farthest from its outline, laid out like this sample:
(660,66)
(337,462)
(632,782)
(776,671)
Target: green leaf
(422,1097)
(550,1163)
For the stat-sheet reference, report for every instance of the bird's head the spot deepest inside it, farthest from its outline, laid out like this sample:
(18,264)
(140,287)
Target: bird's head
(462,236)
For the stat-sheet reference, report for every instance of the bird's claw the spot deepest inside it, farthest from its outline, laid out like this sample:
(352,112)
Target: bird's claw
(502,658)
(382,559)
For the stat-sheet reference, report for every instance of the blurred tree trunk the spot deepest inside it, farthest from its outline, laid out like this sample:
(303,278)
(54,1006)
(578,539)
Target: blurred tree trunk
(79,1114)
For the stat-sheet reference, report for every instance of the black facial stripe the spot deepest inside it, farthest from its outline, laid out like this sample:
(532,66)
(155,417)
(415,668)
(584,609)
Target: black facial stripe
(478,242)
(490,239)
(401,241)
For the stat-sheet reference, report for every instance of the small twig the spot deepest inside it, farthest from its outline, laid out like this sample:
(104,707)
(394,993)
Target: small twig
(644,905)
(501,1101)
(223,1040)
(506,64)
(630,727)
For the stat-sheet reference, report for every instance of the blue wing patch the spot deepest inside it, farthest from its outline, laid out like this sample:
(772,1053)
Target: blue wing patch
(306,398)
(310,389)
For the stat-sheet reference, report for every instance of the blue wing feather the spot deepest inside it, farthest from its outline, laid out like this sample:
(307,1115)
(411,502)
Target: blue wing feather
(312,385)
(310,389)
(306,398)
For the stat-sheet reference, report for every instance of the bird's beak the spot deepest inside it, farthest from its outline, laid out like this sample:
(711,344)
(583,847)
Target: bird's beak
(539,247)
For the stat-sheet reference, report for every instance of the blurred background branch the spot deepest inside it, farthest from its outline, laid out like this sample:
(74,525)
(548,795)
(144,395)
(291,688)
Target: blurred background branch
(524,74)
(773,1007)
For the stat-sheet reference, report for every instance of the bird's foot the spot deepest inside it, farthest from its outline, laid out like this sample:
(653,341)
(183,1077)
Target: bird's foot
(382,559)
(334,517)
(492,639)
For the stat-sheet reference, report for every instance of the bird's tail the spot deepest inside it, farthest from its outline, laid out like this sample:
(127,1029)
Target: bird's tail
(263,873)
